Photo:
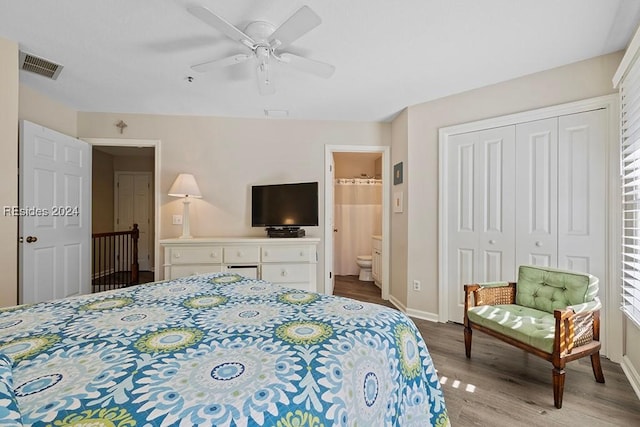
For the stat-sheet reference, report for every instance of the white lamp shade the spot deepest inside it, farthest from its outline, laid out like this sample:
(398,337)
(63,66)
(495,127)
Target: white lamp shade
(185,185)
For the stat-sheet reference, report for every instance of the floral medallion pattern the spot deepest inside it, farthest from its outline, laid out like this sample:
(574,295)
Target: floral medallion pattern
(215,349)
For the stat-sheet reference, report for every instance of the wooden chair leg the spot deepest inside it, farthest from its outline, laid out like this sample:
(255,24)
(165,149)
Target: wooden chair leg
(597,368)
(467,341)
(558,386)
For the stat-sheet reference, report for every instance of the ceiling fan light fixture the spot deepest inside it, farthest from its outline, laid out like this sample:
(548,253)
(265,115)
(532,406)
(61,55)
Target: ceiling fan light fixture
(265,42)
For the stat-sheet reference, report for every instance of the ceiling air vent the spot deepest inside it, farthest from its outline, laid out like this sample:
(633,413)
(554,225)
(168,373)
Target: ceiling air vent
(40,66)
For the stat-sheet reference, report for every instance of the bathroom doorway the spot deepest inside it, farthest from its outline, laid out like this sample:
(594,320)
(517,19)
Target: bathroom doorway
(356,209)
(357,193)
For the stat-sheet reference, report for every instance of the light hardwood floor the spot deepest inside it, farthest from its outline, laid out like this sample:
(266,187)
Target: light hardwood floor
(504,386)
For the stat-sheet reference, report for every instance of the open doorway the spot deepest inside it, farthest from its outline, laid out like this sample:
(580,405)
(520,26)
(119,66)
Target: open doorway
(357,219)
(124,193)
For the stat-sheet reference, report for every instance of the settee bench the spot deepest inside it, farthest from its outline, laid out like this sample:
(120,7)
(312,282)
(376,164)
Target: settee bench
(554,314)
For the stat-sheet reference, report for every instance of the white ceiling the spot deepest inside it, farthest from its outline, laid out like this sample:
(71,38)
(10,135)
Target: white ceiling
(135,56)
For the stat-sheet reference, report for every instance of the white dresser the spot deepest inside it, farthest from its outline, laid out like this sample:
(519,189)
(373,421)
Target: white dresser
(290,262)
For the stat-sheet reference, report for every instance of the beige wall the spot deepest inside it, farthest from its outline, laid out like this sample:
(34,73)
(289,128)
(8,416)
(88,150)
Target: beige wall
(227,156)
(572,82)
(9,171)
(632,344)
(40,109)
(354,165)
(102,192)
(399,221)
(134,163)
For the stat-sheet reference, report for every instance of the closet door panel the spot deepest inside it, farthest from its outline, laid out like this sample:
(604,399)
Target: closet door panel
(495,190)
(536,193)
(582,192)
(462,225)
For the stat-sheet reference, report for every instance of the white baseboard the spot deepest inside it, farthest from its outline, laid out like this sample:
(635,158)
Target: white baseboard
(424,315)
(393,300)
(632,374)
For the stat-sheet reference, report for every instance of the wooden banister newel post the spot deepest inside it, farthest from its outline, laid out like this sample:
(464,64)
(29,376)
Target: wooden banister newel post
(135,266)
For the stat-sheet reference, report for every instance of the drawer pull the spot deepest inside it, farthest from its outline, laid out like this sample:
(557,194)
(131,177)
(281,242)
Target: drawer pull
(213,255)
(240,254)
(301,253)
(176,254)
(284,273)
(266,253)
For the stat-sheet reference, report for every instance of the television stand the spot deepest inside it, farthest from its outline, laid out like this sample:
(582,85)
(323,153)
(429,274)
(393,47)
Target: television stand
(285,232)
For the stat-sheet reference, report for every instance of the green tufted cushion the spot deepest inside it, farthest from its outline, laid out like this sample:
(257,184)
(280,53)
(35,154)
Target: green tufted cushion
(528,325)
(548,289)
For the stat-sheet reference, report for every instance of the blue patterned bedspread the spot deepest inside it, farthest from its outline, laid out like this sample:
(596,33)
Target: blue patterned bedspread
(217,350)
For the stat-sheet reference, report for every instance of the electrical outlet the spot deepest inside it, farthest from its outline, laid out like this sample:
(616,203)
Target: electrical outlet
(417,286)
(177,219)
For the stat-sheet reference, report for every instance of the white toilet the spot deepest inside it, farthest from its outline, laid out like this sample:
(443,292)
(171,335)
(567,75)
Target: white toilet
(364,262)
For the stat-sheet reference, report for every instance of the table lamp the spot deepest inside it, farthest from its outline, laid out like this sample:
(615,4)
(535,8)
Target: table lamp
(185,186)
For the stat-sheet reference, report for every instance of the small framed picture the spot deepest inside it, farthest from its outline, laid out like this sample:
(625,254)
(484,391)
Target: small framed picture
(397,173)
(398,202)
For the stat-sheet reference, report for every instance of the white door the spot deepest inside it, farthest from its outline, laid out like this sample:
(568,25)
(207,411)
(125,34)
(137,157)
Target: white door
(55,228)
(133,206)
(582,192)
(482,218)
(537,193)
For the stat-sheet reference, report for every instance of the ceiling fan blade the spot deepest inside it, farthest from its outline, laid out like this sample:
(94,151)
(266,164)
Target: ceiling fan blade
(298,24)
(320,69)
(265,78)
(221,25)
(219,63)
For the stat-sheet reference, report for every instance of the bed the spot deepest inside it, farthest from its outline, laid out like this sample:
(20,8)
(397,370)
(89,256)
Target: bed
(216,349)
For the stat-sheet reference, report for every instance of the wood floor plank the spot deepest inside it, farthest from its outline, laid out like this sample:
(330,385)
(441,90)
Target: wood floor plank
(504,386)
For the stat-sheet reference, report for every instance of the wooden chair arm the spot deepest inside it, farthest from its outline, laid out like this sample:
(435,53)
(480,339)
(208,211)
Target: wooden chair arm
(575,329)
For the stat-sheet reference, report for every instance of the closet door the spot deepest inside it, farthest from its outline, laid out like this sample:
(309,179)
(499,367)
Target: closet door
(537,193)
(481,226)
(582,154)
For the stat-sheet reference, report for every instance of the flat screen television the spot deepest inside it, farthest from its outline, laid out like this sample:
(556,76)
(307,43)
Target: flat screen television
(284,205)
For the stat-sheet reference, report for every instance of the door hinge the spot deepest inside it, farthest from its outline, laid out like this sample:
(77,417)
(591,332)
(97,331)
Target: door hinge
(330,275)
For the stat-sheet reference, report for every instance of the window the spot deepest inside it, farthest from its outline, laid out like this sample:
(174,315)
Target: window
(630,170)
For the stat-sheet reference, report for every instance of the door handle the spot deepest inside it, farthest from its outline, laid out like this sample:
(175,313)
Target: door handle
(335,230)
(31,239)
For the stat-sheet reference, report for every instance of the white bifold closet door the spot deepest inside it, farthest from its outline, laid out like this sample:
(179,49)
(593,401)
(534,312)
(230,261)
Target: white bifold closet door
(481,207)
(560,192)
(531,193)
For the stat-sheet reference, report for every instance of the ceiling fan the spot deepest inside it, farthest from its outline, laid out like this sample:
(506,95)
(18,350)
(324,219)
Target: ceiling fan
(265,43)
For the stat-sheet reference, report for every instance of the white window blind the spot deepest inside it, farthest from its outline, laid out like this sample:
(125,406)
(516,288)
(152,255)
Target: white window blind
(630,167)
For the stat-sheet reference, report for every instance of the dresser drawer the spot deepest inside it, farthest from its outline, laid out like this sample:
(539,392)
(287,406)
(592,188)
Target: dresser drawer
(241,254)
(190,270)
(195,255)
(289,254)
(289,273)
